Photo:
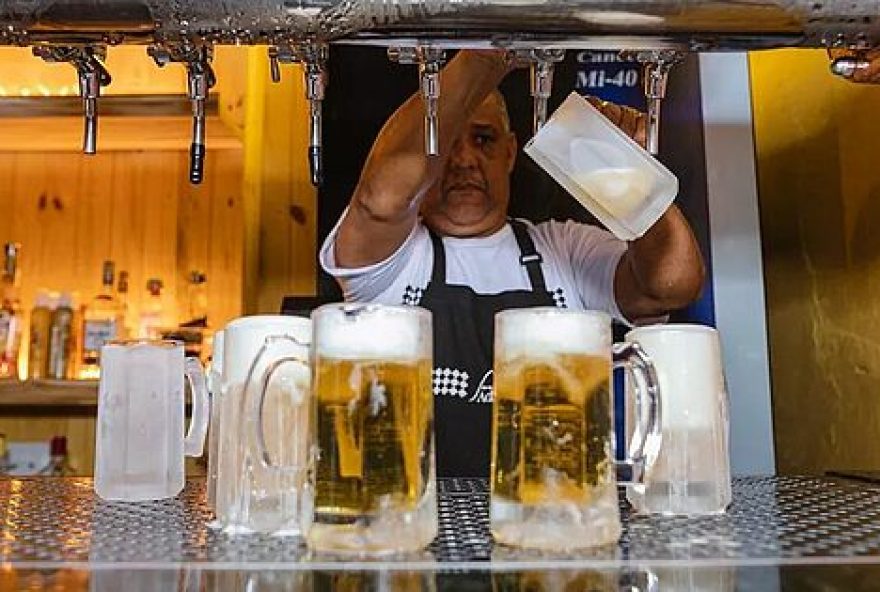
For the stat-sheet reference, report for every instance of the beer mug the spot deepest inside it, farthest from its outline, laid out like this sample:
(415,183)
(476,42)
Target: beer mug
(373,409)
(692,473)
(140,444)
(263,433)
(215,381)
(553,468)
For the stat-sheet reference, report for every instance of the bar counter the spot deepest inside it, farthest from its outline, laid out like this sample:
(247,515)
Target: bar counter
(781,533)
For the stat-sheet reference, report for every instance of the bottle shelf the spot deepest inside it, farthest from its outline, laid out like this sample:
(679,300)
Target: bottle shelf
(49,393)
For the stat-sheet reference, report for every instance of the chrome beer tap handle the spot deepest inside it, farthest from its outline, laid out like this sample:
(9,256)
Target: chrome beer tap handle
(91,74)
(313,57)
(543,62)
(429,60)
(200,79)
(274,65)
(656,67)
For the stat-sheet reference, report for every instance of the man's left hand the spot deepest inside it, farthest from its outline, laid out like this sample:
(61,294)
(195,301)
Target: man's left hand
(632,121)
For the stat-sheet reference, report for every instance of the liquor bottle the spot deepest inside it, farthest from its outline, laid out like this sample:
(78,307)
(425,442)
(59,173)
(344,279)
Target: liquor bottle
(61,339)
(152,312)
(59,463)
(102,319)
(192,331)
(10,312)
(197,300)
(122,297)
(41,333)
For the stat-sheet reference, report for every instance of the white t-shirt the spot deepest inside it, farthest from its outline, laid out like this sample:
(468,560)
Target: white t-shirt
(579,262)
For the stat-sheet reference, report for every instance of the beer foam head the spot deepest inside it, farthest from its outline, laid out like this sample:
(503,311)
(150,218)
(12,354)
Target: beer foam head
(536,332)
(372,331)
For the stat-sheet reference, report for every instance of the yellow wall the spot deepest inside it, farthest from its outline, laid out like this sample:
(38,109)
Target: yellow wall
(818,155)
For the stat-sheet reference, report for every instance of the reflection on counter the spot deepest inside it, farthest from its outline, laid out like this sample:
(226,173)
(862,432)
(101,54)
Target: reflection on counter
(770,578)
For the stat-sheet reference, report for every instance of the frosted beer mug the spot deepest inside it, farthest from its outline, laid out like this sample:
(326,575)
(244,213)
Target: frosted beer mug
(374,481)
(553,470)
(140,444)
(263,426)
(215,378)
(619,182)
(692,472)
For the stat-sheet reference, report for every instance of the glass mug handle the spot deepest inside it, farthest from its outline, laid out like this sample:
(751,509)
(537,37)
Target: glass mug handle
(269,350)
(647,435)
(194,443)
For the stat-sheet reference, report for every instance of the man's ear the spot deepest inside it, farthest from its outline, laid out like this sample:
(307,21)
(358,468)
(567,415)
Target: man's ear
(512,147)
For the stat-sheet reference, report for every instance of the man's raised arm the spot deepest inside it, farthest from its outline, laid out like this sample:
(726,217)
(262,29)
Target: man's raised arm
(398,172)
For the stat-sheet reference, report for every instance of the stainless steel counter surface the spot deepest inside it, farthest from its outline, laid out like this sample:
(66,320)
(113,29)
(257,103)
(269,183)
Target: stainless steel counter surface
(55,533)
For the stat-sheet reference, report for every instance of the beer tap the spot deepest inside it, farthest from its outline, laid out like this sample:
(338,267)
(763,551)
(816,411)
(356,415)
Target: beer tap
(313,56)
(656,66)
(542,63)
(429,60)
(92,76)
(200,79)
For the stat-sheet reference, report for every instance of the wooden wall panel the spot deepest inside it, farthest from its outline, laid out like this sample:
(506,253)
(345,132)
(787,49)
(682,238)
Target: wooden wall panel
(71,212)
(226,237)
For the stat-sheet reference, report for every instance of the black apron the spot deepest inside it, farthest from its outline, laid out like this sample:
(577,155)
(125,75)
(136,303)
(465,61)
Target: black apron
(464,328)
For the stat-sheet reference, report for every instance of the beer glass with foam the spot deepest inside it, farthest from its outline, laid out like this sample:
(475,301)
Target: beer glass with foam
(692,473)
(373,411)
(554,473)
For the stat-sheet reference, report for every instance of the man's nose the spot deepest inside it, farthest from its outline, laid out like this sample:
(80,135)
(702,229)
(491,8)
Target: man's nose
(463,155)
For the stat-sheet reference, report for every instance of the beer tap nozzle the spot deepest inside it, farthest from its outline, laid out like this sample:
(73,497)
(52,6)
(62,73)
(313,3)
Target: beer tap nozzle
(430,85)
(543,62)
(657,65)
(315,75)
(429,60)
(274,65)
(200,79)
(92,75)
(90,90)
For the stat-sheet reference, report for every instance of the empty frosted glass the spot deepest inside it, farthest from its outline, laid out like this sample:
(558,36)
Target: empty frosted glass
(140,444)
(619,182)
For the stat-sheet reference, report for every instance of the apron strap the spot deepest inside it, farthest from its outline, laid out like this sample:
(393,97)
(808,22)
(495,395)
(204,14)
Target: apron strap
(528,255)
(438,272)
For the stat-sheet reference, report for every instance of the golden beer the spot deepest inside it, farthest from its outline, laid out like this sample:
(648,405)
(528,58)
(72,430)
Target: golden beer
(373,412)
(553,473)
(373,422)
(552,434)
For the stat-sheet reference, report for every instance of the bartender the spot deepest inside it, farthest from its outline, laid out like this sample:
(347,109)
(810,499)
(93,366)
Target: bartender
(434,232)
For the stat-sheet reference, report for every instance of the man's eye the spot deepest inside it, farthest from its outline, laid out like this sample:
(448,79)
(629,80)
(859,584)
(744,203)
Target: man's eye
(483,139)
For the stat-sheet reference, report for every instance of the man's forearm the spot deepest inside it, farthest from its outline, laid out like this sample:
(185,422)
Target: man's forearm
(661,271)
(398,170)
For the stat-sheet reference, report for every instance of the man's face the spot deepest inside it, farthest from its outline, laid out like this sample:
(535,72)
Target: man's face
(471,197)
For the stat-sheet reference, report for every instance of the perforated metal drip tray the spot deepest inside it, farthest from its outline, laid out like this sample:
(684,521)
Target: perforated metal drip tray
(772,520)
